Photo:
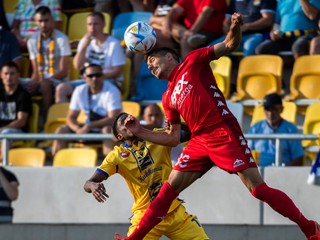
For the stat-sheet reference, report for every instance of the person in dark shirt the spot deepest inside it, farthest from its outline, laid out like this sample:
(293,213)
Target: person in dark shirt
(15,102)
(257,22)
(8,192)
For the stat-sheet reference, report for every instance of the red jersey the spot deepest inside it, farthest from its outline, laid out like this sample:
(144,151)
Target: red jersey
(193,93)
(193,8)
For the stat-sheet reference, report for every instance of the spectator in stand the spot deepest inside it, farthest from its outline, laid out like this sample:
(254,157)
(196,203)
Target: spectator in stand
(152,118)
(98,48)
(101,103)
(49,52)
(9,47)
(8,193)
(258,17)
(15,102)
(202,23)
(114,7)
(295,25)
(24,26)
(292,152)
(315,46)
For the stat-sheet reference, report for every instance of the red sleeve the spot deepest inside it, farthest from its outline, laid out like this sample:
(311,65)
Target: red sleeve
(172,115)
(217,5)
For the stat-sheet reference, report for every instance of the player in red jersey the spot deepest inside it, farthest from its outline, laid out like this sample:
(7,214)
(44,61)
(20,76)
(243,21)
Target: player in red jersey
(216,136)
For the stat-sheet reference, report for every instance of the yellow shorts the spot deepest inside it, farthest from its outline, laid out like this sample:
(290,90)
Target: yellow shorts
(177,225)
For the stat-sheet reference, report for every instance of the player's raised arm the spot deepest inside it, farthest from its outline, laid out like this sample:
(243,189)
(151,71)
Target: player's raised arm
(233,38)
(95,186)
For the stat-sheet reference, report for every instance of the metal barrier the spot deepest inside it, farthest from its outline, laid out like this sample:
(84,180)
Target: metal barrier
(94,137)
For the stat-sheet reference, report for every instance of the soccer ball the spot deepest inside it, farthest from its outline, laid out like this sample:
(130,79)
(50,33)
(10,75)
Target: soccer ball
(140,37)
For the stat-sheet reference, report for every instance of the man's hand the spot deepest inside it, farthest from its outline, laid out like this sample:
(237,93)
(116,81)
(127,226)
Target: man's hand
(118,236)
(84,129)
(132,124)
(87,40)
(32,86)
(99,192)
(236,20)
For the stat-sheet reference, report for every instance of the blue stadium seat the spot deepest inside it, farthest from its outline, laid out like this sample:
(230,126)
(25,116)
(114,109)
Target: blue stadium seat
(149,88)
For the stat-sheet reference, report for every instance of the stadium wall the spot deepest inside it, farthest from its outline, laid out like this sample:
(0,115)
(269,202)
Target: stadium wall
(51,196)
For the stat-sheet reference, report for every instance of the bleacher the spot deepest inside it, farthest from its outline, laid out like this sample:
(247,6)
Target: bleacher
(297,81)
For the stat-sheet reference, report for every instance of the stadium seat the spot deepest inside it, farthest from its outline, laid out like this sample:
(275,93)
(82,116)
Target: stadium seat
(258,75)
(64,23)
(311,124)
(289,113)
(305,81)
(33,157)
(74,73)
(10,5)
(75,157)
(78,22)
(256,156)
(123,20)
(149,88)
(57,115)
(132,108)
(25,67)
(221,69)
(33,123)
(127,79)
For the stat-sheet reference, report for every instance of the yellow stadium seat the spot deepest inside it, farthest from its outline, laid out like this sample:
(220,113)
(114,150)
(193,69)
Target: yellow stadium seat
(78,25)
(74,73)
(221,69)
(289,113)
(25,67)
(258,75)
(305,81)
(33,123)
(75,157)
(64,23)
(10,5)
(311,124)
(33,157)
(132,108)
(256,156)
(127,79)
(56,117)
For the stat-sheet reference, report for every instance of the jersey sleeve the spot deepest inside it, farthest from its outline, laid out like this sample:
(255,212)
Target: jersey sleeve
(110,163)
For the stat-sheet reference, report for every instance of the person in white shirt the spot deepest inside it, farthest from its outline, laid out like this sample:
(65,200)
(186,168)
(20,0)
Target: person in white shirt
(49,52)
(99,100)
(99,48)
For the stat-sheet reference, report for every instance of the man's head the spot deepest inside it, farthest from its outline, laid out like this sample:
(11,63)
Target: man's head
(44,20)
(161,62)
(93,75)
(272,104)
(153,116)
(120,131)
(95,24)
(10,75)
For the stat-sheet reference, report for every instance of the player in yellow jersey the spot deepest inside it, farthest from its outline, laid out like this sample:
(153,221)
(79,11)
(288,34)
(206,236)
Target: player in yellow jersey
(145,167)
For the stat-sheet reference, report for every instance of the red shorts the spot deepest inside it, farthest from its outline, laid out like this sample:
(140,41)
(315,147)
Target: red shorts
(223,146)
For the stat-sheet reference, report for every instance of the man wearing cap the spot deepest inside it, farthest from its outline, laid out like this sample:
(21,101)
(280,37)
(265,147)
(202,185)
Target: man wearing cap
(292,151)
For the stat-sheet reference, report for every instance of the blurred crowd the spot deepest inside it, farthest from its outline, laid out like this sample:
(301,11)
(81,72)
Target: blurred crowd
(42,64)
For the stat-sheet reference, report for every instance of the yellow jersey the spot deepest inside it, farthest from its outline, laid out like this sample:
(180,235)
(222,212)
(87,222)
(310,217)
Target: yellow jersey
(145,167)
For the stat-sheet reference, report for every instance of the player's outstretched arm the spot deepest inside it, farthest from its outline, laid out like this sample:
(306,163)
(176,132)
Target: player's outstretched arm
(232,39)
(170,137)
(95,186)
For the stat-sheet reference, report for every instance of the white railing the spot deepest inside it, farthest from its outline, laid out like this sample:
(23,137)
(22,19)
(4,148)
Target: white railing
(94,137)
